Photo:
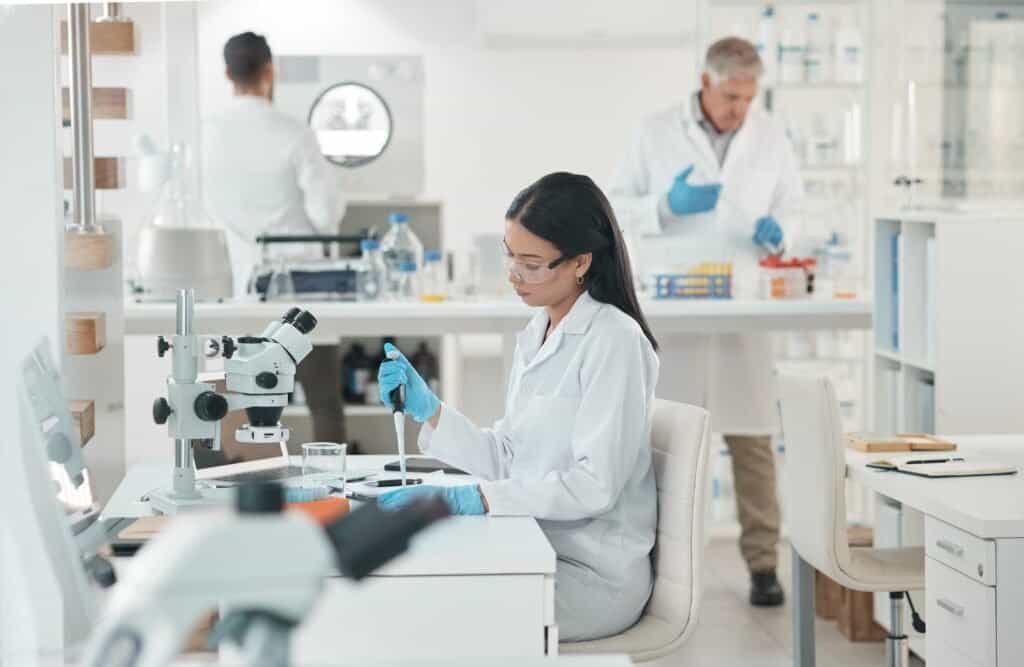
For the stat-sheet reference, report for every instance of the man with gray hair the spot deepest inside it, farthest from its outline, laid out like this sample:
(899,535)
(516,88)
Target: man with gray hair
(714,180)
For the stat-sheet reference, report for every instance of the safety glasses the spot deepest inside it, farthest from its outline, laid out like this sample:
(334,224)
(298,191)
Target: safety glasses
(529,271)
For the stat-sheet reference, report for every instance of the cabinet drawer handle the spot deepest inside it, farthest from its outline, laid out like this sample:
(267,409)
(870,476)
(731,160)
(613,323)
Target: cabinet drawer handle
(951,607)
(946,545)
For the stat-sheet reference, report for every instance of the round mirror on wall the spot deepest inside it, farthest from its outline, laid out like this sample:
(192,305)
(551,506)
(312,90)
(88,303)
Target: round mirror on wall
(352,124)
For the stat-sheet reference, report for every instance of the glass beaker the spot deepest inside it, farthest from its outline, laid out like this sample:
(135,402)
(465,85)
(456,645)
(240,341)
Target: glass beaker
(323,464)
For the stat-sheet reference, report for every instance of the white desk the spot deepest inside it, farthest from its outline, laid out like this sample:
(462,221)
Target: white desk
(974,546)
(338,319)
(469,586)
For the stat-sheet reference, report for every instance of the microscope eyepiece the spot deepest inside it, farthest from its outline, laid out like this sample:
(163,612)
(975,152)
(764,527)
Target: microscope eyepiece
(304,322)
(290,316)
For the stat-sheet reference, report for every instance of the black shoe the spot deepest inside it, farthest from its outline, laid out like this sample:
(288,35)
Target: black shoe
(765,590)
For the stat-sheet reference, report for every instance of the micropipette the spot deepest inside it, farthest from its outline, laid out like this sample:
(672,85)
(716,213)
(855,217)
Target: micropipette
(398,401)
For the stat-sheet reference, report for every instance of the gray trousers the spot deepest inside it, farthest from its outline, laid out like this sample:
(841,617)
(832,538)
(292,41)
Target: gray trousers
(589,607)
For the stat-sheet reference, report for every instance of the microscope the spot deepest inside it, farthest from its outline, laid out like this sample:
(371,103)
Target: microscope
(264,569)
(259,375)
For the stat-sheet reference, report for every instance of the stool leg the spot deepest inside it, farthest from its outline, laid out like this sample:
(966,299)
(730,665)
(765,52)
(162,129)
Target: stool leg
(897,651)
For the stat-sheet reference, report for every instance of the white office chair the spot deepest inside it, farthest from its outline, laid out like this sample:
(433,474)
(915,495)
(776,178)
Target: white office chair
(680,446)
(815,472)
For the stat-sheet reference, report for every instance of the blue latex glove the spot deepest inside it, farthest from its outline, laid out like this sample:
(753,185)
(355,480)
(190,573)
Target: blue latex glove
(768,233)
(464,499)
(684,198)
(420,403)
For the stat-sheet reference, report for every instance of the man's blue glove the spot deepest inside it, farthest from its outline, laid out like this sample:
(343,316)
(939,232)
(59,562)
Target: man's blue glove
(684,198)
(420,403)
(768,233)
(465,499)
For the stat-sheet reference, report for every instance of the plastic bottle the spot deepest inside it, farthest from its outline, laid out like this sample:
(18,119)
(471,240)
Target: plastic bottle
(791,55)
(408,287)
(849,55)
(426,365)
(768,45)
(814,50)
(356,372)
(399,246)
(433,279)
(372,277)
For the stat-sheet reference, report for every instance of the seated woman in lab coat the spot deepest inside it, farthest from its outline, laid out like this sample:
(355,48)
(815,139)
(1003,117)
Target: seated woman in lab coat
(573,447)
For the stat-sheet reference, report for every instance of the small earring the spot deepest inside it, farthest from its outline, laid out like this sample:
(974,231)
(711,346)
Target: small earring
(579,280)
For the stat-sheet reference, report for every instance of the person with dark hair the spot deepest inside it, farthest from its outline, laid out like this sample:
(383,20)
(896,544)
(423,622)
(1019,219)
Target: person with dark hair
(263,173)
(573,447)
(715,179)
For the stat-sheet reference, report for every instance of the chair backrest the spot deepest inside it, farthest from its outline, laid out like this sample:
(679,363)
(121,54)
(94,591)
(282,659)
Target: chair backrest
(815,472)
(680,444)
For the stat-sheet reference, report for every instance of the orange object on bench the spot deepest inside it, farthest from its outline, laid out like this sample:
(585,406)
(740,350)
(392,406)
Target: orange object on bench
(323,511)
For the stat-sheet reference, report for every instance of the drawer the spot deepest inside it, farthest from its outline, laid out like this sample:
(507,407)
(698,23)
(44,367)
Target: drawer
(961,613)
(965,553)
(941,654)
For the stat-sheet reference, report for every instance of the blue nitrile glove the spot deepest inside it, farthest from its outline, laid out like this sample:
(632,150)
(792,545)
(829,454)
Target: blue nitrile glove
(684,198)
(420,403)
(465,499)
(768,233)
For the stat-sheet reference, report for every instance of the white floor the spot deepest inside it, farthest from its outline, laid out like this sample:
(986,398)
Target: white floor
(731,632)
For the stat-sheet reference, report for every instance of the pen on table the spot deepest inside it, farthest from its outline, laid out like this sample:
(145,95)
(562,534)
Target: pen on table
(932,460)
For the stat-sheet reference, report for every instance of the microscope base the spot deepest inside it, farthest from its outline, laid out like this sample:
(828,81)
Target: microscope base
(165,501)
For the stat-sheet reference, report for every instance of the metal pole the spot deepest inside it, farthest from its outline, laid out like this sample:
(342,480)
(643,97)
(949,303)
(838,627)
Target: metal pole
(111,12)
(184,474)
(83,178)
(803,612)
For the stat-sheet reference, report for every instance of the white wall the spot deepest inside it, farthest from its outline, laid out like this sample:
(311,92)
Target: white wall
(30,293)
(495,119)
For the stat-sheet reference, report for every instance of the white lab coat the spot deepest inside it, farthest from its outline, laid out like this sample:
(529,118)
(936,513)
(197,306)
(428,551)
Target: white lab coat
(263,172)
(573,451)
(730,375)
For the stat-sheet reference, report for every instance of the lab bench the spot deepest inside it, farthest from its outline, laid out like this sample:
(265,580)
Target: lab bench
(436,601)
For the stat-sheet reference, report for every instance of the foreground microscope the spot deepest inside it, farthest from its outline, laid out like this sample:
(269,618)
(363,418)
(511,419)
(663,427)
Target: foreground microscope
(264,569)
(259,375)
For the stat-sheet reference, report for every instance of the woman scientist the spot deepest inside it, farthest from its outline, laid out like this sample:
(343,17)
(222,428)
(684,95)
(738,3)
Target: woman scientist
(572,449)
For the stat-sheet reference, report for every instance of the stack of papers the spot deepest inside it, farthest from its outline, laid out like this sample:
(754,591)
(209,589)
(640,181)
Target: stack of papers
(943,466)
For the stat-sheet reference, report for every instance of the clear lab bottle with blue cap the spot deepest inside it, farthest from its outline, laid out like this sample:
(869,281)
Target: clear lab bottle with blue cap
(433,283)
(399,246)
(373,273)
(408,287)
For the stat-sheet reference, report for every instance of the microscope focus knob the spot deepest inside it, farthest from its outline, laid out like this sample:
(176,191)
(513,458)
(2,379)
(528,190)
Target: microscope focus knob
(260,498)
(266,380)
(162,346)
(211,406)
(228,347)
(161,410)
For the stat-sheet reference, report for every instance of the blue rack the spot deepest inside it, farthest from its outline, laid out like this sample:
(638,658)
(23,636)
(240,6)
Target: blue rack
(693,286)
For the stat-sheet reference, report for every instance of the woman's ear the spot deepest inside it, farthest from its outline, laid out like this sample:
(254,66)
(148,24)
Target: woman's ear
(583,263)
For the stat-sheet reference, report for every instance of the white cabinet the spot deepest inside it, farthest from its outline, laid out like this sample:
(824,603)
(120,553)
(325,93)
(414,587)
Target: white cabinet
(948,322)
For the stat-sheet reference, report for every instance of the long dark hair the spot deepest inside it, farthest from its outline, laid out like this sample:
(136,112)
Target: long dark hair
(571,212)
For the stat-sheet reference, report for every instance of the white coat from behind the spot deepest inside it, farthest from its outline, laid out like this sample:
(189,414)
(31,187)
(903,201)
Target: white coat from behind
(573,451)
(263,172)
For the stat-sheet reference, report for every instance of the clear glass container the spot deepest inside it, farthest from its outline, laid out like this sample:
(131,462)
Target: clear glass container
(399,245)
(433,283)
(408,285)
(323,464)
(280,287)
(372,276)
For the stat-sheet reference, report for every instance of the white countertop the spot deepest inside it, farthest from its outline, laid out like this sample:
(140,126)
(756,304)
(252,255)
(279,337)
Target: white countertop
(988,507)
(502,316)
(461,545)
